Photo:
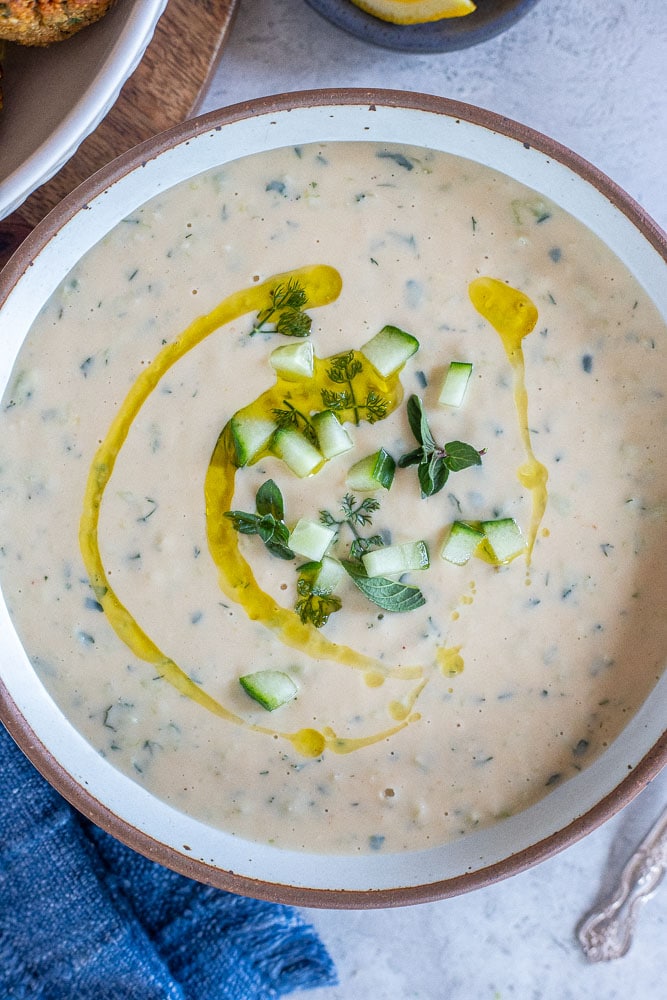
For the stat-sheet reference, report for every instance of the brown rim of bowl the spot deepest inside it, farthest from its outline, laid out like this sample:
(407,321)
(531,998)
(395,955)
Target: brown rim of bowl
(42,758)
(641,775)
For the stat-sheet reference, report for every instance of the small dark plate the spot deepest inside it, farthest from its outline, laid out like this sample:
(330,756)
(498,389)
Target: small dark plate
(490,19)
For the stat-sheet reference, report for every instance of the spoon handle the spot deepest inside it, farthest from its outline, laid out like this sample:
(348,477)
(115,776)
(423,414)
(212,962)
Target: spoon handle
(607,933)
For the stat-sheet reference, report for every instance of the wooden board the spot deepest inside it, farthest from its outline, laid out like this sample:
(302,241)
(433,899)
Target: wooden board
(166,88)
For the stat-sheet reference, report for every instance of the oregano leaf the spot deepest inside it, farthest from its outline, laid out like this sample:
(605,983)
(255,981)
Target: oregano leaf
(412,458)
(279,549)
(414,411)
(386,594)
(268,522)
(269,500)
(433,462)
(245,523)
(460,455)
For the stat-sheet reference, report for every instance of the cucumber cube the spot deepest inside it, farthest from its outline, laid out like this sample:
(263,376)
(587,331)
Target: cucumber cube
(455,384)
(293,361)
(461,543)
(298,454)
(332,437)
(330,575)
(371,473)
(503,539)
(271,688)
(250,436)
(394,560)
(311,539)
(389,349)
(324,575)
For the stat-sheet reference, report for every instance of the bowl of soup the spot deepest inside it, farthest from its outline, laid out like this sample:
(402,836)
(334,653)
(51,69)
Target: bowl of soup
(332,494)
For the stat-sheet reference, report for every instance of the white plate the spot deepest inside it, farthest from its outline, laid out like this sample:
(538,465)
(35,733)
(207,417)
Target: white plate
(54,97)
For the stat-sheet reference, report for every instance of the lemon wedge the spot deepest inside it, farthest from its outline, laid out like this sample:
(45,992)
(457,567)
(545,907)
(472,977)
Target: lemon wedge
(415,11)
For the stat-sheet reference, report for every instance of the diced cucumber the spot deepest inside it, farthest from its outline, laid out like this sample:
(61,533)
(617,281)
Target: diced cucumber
(455,384)
(530,206)
(250,436)
(271,688)
(332,437)
(297,453)
(503,539)
(389,349)
(324,575)
(330,575)
(371,473)
(461,543)
(311,538)
(393,560)
(293,361)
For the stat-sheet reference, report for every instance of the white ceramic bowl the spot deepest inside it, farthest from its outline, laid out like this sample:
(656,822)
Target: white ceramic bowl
(56,96)
(82,775)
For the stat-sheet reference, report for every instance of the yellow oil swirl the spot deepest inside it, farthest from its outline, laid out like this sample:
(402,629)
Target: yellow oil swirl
(449,660)
(235,575)
(513,316)
(402,710)
(322,285)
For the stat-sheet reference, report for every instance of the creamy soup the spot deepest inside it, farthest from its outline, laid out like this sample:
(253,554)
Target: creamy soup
(148,420)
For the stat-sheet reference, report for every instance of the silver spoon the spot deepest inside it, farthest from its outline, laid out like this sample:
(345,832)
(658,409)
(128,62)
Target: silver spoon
(606,933)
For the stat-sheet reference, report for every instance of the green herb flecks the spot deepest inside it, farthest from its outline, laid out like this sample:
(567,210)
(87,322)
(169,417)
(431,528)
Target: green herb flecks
(434,463)
(285,311)
(268,522)
(149,513)
(343,370)
(398,158)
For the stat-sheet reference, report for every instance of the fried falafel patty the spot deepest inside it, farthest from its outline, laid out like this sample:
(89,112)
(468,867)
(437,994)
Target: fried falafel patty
(42,22)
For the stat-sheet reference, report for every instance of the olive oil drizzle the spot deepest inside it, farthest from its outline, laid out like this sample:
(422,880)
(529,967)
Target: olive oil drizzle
(513,316)
(323,285)
(235,576)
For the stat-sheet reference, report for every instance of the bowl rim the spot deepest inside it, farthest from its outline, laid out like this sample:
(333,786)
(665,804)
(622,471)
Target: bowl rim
(370,97)
(643,771)
(334,899)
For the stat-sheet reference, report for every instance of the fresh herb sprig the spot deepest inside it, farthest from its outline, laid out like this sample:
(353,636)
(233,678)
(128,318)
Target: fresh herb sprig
(314,605)
(434,462)
(286,310)
(389,595)
(356,515)
(343,370)
(291,417)
(268,522)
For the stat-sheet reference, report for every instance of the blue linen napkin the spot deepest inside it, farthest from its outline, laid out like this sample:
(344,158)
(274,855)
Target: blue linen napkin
(82,917)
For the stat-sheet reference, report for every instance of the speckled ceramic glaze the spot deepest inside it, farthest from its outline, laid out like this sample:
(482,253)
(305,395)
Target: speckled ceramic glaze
(491,18)
(117,803)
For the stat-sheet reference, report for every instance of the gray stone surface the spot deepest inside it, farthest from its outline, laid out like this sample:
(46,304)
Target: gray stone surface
(591,75)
